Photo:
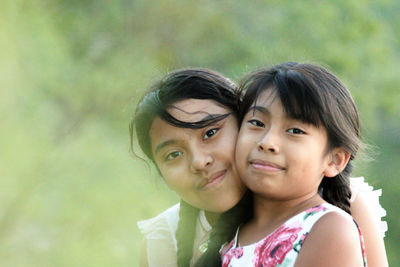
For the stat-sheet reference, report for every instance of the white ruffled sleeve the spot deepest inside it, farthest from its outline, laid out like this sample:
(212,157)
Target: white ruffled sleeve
(159,233)
(359,186)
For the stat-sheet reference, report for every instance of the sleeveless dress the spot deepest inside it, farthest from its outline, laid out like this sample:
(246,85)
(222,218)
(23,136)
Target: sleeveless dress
(161,243)
(282,246)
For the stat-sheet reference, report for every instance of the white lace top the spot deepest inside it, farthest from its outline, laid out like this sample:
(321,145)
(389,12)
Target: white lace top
(160,237)
(159,231)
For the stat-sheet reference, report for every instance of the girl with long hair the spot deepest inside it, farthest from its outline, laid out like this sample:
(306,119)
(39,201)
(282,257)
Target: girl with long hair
(187,125)
(300,133)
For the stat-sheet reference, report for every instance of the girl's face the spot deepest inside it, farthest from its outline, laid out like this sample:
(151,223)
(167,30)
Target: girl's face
(279,157)
(198,164)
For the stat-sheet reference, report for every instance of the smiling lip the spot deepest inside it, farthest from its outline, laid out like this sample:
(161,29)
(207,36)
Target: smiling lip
(265,166)
(213,180)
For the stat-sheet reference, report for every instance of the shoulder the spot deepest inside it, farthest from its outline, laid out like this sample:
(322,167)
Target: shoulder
(164,223)
(338,226)
(334,240)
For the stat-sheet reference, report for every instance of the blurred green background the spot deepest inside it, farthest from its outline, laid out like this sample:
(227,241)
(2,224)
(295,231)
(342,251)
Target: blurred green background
(72,71)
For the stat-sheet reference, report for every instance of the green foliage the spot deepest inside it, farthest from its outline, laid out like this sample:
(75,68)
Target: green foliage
(72,71)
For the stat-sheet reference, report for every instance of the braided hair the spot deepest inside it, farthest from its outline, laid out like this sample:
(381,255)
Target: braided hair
(310,94)
(190,83)
(224,230)
(185,233)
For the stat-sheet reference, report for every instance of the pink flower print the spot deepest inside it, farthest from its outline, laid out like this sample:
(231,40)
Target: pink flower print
(228,252)
(303,237)
(316,209)
(232,253)
(273,249)
(227,247)
(297,246)
(313,210)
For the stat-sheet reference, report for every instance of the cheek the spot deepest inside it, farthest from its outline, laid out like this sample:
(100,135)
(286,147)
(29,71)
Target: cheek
(242,149)
(172,176)
(227,144)
(231,143)
(305,159)
(245,142)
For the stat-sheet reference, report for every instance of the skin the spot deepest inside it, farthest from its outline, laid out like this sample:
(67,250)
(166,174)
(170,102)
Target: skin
(193,143)
(342,249)
(283,160)
(274,153)
(198,164)
(366,219)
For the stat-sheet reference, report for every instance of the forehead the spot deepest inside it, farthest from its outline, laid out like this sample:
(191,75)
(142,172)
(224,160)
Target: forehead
(266,99)
(188,110)
(161,131)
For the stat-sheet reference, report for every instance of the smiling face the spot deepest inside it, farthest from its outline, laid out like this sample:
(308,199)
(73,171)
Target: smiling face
(198,164)
(279,157)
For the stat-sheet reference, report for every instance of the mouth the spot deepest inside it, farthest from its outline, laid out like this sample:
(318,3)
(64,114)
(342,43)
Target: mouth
(213,180)
(265,166)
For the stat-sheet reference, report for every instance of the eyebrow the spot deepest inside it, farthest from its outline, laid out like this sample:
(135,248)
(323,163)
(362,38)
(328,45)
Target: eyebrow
(164,144)
(208,117)
(172,142)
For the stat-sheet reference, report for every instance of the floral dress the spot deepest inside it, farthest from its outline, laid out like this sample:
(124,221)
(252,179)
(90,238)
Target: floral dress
(282,246)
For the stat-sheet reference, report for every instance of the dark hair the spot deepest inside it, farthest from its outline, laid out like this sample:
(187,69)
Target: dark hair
(313,95)
(196,83)
(192,83)
(224,230)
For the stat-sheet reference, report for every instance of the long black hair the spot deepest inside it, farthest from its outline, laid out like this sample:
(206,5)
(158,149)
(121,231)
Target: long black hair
(195,83)
(313,95)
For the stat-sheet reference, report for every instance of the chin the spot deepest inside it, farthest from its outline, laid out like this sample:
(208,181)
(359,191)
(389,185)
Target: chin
(229,203)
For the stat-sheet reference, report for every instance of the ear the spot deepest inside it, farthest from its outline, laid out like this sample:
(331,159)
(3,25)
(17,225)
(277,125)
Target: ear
(337,162)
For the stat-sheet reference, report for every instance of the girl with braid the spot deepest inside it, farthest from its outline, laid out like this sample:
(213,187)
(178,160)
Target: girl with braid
(300,132)
(187,125)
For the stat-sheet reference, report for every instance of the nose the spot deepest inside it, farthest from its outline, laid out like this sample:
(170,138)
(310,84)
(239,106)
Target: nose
(201,160)
(269,143)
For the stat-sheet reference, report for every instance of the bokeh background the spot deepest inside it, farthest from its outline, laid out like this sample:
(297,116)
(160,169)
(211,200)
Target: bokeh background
(72,71)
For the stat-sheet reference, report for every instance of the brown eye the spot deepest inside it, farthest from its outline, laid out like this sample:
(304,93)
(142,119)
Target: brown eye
(295,131)
(256,123)
(173,155)
(210,133)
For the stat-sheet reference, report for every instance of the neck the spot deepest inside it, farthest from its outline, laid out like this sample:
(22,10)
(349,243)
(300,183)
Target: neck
(270,211)
(212,217)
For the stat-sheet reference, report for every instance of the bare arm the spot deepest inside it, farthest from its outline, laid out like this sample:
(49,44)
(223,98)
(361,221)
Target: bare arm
(333,241)
(374,245)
